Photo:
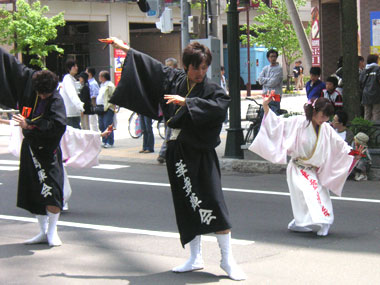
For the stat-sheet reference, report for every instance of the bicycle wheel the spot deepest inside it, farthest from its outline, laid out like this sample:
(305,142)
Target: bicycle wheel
(249,135)
(134,127)
(161,128)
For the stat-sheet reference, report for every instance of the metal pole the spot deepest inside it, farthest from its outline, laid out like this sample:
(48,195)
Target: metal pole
(297,24)
(235,132)
(248,55)
(206,19)
(185,38)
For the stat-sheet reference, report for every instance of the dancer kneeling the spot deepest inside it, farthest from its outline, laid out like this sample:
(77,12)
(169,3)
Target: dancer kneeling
(320,161)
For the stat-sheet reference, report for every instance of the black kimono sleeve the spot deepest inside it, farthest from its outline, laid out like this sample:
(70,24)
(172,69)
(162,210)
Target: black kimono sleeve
(15,80)
(143,83)
(48,129)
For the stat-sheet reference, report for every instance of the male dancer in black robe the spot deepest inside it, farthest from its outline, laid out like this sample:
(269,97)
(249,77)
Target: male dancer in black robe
(43,122)
(196,109)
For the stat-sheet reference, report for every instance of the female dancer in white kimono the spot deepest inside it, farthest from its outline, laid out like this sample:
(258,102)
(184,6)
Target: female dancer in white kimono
(320,161)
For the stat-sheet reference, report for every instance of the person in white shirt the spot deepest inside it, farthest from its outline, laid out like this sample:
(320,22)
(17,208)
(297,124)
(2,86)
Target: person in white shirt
(94,91)
(69,93)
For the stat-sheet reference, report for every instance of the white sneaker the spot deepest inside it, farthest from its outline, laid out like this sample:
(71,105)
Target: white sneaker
(65,207)
(324,231)
(361,177)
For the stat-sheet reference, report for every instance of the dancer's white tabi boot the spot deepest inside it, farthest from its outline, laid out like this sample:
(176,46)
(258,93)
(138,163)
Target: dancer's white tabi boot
(324,231)
(195,262)
(52,234)
(41,237)
(228,263)
(293,227)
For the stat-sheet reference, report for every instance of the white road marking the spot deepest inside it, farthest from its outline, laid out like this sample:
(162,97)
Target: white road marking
(8,168)
(10,162)
(122,230)
(110,166)
(224,189)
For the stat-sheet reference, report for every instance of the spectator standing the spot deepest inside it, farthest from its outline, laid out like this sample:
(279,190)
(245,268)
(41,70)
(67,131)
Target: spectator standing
(332,94)
(298,75)
(271,78)
(314,86)
(84,96)
(223,84)
(69,93)
(147,132)
(370,84)
(339,123)
(173,63)
(94,91)
(105,118)
(339,75)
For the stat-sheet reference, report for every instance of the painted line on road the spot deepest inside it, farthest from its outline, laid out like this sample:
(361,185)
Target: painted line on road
(123,230)
(352,199)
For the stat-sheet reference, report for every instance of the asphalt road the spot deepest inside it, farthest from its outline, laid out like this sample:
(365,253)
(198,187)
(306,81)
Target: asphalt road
(120,229)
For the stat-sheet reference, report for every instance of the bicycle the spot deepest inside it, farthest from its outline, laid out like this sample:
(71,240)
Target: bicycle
(134,127)
(255,116)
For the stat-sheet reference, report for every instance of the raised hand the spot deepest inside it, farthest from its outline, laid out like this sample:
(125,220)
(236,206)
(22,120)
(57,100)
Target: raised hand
(175,99)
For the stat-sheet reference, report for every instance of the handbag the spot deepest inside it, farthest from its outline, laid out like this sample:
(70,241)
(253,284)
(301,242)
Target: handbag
(99,109)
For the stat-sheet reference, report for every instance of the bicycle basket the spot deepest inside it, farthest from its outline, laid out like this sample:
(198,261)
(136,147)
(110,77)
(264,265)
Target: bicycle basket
(251,113)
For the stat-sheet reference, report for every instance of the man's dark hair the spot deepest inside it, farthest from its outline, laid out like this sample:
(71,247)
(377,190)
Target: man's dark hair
(69,64)
(105,74)
(91,70)
(272,51)
(44,81)
(372,58)
(360,58)
(333,80)
(195,53)
(316,70)
(342,117)
(222,68)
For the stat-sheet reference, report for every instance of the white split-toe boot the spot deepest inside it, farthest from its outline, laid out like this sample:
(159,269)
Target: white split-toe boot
(324,230)
(293,227)
(41,237)
(228,263)
(195,262)
(52,234)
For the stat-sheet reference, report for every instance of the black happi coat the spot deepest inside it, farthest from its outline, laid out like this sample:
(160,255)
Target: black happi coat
(191,160)
(41,170)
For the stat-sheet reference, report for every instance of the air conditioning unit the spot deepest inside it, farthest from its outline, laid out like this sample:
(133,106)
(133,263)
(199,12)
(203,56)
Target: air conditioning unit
(193,23)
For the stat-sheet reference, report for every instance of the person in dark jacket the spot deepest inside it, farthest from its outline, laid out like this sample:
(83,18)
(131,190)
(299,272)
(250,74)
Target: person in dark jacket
(370,84)
(85,97)
(196,108)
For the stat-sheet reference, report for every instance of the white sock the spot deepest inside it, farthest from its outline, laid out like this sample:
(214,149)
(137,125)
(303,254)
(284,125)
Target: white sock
(324,231)
(52,234)
(41,237)
(228,263)
(195,262)
(293,227)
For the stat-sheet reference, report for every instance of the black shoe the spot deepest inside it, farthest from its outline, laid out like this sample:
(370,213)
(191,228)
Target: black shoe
(161,159)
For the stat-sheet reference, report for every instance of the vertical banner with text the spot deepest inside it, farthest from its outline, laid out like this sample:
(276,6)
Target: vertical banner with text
(315,38)
(375,32)
(119,57)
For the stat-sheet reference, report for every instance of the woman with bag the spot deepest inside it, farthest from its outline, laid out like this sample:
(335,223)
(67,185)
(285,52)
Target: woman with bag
(84,96)
(104,109)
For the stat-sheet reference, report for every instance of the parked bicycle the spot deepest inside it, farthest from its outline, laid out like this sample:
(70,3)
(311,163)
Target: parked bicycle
(134,127)
(254,116)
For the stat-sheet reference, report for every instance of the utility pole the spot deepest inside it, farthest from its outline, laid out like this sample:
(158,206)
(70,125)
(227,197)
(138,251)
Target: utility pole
(300,31)
(235,132)
(185,9)
(213,14)
(350,58)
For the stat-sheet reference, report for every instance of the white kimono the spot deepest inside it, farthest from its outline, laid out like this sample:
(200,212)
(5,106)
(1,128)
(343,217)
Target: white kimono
(319,163)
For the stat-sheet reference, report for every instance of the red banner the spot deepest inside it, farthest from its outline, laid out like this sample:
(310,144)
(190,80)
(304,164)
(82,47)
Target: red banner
(315,38)
(119,57)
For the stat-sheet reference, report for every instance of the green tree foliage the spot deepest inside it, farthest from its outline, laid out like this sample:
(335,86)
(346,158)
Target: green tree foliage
(273,29)
(30,30)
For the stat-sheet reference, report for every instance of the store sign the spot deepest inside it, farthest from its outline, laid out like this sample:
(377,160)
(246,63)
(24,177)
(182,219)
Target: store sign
(315,38)
(119,57)
(375,32)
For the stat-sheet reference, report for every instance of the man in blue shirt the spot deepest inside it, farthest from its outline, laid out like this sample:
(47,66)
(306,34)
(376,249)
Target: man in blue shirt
(314,86)
(94,91)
